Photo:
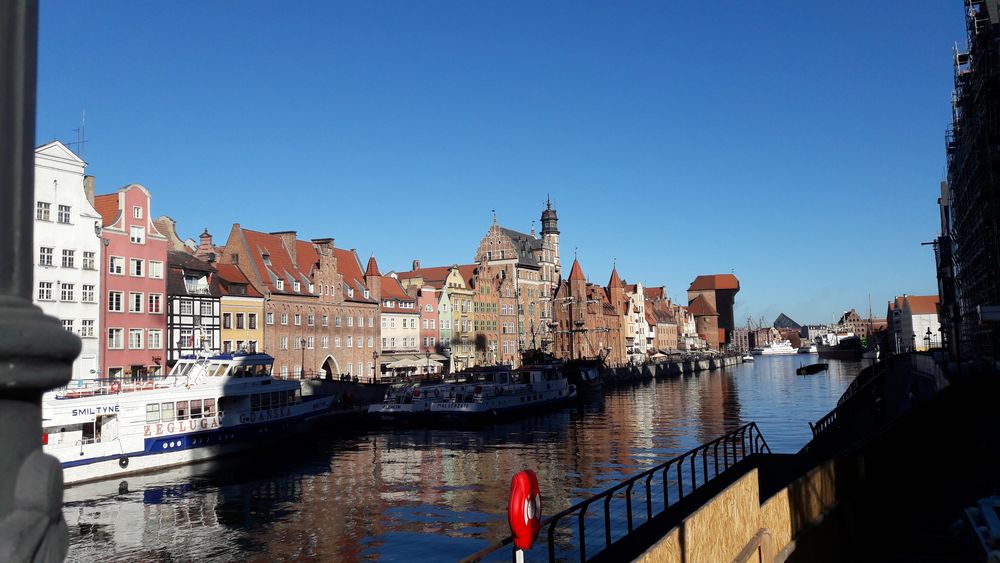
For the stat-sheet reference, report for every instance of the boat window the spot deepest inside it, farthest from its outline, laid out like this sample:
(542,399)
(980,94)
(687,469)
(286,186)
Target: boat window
(265,401)
(183,368)
(298,395)
(263,370)
(196,408)
(275,399)
(209,408)
(222,370)
(283,399)
(255,402)
(153,412)
(182,410)
(88,432)
(166,412)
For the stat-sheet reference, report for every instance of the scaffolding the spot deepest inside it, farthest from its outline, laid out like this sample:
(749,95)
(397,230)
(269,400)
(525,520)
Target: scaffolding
(973,149)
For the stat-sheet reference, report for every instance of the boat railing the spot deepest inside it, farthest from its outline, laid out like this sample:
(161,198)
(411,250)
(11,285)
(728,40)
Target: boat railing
(631,504)
(104,386)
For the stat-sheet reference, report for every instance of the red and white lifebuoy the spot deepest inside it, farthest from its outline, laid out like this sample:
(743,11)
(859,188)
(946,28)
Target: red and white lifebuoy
(116,387)
(524,512)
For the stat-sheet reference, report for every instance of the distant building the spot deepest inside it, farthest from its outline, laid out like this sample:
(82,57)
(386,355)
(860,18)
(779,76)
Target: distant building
(719,293)
(588,320)
(783,321)
(741,340)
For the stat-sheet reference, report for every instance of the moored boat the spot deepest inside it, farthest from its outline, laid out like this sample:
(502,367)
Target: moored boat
(206,407)
(530,387)
(781,348)
(811,369)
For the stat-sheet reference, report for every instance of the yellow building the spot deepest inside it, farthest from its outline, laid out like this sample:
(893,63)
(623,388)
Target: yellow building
(242,309)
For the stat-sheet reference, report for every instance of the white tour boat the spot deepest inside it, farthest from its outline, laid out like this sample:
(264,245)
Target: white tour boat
(779,348)
(530,387)
(206,407)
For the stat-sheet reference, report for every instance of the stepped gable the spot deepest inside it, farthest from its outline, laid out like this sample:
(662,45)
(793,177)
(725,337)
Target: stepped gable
(783,321)
(526,245)
(700,307)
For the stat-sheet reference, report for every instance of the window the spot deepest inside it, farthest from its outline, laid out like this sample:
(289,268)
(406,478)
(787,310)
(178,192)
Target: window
(116,265)
(207,309)
(66,292)
(68,258)
(350,341)
(350,292)
(166,412)
(209,408)
(371,341)
(154,303)
(298,319)
(350,321)
(385,342)
(296,343)
(196,409)
(252,321)
(284,343)
(137,235)
(182,410)
(429,309)
(227,320)
(45,256)
(153,412)
(324,342)
(136,267)
(392,343)
(186,339)
(42,211)
(284,318)
(432,323)
(325,320)
(89,261)
(239,320)
(385,322)
(135,339)
(310,342)
(336,321)
(115,299)
(63,214)
(371,322)
(87,328)
(432,340)
(311,319)
(154,339)
(67,325)
(136,212)
(155,270)
(187,307)
(280,284)
(115,338)
(312,288)
(134,302)
(336,342)
(269,318)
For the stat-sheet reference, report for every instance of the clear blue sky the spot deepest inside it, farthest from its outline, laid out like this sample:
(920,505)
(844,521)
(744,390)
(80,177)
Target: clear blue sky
(798,144)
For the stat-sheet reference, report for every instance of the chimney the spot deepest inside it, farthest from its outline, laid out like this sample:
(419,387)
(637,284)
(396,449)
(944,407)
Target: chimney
(288,240)
(416,264)
(324,246)
(205,246)
(88,188)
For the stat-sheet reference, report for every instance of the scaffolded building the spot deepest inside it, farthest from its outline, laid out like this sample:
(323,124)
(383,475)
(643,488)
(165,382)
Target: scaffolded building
(968,250)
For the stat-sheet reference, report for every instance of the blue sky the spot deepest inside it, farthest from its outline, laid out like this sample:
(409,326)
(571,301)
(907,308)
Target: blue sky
(797,144)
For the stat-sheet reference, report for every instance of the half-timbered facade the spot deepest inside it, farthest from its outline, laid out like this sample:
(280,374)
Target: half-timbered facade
(193,306)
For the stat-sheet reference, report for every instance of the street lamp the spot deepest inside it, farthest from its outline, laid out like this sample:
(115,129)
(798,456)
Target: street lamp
(302,368)
(927,338)
(375,366)
(913,348)
(427,367)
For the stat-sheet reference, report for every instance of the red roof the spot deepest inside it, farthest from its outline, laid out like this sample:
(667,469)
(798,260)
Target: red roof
(700,307)
(576,273)
(372,269)
(631,287)
(654,292)
(231,273)
(715,281)
(349,266)
(923,304)
(434,276)
(615,280)
(107,206)
(392,291)
(467,271)
(281,265)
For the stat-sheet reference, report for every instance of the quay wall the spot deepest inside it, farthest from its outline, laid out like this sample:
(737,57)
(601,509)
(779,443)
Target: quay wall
(348,391)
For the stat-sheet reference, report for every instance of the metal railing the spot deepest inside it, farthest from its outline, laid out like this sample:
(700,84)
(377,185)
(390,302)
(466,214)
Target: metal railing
(659,488)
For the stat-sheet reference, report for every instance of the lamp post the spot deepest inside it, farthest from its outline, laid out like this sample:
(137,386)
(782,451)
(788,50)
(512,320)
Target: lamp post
(427,365)
(302,368)
(927,339)
(913,347)
(375,368)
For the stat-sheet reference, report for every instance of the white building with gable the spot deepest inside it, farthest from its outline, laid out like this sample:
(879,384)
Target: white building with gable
(67,253)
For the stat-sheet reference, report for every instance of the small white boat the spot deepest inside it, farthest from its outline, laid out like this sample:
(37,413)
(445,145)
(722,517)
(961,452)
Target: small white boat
(205,408)
(748,358)
(779,348)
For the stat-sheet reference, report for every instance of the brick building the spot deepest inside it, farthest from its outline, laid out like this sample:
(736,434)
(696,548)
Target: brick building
(719,292)
(319,313)
(588,320)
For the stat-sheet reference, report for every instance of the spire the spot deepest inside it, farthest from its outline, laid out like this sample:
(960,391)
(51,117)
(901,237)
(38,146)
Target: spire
(549,219)
(576,273)
(615,281)
(372,269)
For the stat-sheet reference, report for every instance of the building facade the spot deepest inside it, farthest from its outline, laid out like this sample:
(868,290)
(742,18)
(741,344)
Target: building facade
(134,272)
(67,270)
(719,292)
(193,307)
(587,321)
(242,310)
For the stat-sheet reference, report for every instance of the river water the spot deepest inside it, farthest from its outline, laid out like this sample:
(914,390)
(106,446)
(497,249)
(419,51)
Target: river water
(434,494)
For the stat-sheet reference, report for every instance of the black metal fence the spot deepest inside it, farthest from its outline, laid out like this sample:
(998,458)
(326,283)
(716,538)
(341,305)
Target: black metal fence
(593,525)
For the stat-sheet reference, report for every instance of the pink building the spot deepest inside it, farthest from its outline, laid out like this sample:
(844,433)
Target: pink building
(427,301)
(134,298)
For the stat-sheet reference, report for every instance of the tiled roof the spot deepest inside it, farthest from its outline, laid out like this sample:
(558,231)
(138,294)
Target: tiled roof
(392,291)
(230,274)
(349,266)
(654,292)
(923,304)
(179,264)
(631,287)
(433,276)
(700,307)
(715,281)
(107,206)
(372,269)
(525,245)
(576,272)
(468,271)
(615,281)
(280,263)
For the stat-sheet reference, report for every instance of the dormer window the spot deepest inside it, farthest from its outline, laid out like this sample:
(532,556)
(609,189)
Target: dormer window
(280,284)
(296,286)
(312,288)
(350,292)
(267,258)
(367,294)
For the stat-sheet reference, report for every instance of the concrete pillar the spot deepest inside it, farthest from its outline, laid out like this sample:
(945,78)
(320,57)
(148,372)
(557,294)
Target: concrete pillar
(36,354)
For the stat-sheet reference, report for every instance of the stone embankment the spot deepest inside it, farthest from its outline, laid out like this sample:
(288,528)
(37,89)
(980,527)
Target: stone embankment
(668,368)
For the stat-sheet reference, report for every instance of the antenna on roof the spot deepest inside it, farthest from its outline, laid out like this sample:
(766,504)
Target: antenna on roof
(494,211)
(574,252)
(81,135)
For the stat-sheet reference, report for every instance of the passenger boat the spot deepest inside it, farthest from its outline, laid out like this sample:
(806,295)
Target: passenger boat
(206,407)
(408,401)
(511,391)
(748,358)
(779,348)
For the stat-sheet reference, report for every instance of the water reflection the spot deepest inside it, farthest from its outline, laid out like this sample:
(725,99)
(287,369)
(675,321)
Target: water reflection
(438,493)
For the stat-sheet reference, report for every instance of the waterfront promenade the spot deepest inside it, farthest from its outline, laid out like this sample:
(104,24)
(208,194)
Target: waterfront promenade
(435,494)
